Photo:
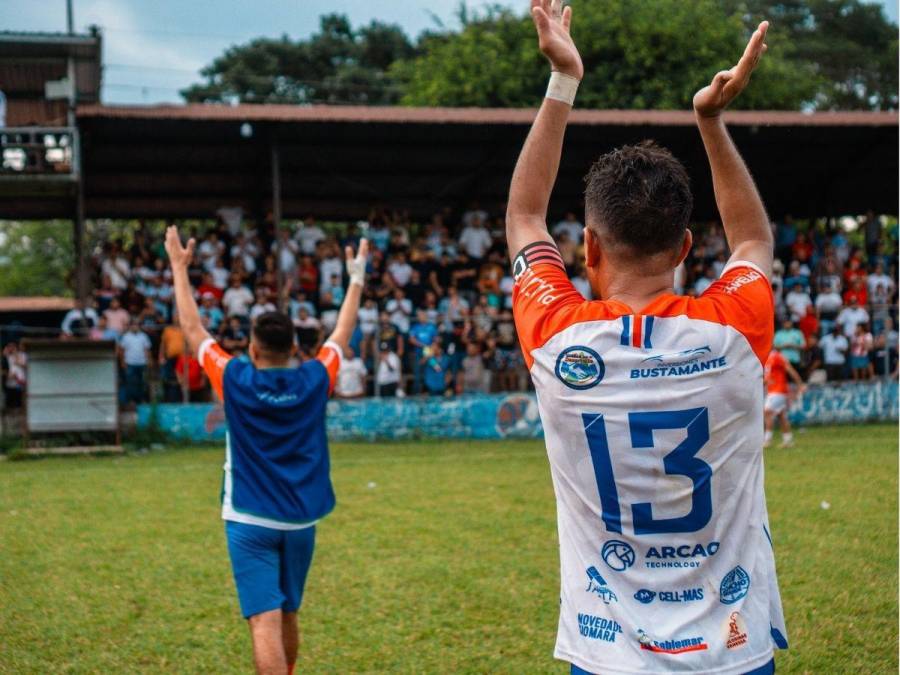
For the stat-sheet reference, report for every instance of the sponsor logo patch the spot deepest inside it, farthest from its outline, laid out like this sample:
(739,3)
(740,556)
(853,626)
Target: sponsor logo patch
(734,585)
(579,367)
(681,556)
(673,646)
(598,627)
(646,596)
(617,555)
(736,631)
(597,585)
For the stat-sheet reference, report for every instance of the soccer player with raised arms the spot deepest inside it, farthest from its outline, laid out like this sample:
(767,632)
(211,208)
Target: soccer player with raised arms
(652,403)
(277,482)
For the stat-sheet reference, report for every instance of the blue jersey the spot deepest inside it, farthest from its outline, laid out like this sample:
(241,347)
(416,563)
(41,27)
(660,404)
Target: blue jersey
(277,470)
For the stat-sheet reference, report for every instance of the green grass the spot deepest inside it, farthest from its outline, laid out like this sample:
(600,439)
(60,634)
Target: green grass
(448,564)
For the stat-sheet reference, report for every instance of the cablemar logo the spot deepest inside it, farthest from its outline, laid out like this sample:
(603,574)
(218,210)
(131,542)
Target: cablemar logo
(676,364)
(579,367)
(677,646)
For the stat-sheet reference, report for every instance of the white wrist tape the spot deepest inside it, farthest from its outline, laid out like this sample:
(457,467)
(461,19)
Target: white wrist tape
(356,269)
(562,88)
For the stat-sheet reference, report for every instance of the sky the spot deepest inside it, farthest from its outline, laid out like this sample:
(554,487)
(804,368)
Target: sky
(153,48)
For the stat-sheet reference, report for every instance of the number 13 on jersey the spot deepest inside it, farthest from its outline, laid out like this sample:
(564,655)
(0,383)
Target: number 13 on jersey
(680,462)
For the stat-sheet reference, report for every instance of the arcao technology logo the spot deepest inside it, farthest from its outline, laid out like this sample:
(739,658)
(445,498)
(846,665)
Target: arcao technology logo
(618,555)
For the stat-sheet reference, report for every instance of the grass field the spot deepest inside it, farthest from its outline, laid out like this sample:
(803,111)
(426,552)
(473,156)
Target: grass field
(441,558)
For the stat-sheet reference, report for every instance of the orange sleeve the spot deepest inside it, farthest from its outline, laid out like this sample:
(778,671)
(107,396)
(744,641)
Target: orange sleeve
(544,300)
(214,359)
(742,296)
(331,356)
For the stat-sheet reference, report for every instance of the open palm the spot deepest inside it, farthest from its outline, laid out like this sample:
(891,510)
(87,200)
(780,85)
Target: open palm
(552,23)
(727,84)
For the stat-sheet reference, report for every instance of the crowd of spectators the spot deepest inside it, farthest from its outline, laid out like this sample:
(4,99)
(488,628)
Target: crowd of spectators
(436,317)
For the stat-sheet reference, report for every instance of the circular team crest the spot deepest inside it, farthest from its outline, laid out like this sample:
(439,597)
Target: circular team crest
(734,585)
(618,555)
(579,367)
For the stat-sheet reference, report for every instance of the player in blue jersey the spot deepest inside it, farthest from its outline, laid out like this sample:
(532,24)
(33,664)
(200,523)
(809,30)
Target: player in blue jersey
(276,485)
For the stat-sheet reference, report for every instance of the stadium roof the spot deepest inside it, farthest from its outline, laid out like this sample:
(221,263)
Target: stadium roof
(336,162)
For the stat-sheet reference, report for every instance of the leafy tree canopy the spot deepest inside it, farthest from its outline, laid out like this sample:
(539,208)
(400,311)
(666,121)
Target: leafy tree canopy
(824,54)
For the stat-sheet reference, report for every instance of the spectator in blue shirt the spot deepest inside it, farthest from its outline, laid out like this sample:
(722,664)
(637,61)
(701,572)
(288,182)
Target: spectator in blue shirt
(421,335)
(437,369)
(789,341)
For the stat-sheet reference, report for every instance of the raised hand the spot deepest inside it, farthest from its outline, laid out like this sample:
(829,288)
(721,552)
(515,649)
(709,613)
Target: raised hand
(179,256)
(552,23)
(356,265)
(727,84)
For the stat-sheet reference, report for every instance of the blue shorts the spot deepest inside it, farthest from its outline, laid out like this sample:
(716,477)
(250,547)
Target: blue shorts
(270,566)
(767,669)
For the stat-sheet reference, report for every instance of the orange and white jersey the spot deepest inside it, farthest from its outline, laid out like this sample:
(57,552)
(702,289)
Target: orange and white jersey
(654,429)
(776,375)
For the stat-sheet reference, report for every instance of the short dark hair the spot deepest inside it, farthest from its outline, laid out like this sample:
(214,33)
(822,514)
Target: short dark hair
(274,332)
(640,196)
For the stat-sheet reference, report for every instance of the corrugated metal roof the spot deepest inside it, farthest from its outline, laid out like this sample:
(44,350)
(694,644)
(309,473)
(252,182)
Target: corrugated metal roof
(397,114)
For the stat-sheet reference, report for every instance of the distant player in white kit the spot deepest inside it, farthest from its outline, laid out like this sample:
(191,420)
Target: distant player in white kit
(652,403)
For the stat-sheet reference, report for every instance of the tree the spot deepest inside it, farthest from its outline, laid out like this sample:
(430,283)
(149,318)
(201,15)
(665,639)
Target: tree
(848,46)
(335,65)
(647,54)
(36,257)
(632,59)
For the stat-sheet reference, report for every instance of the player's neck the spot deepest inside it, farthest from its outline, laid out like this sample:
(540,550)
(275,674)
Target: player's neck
(636,291)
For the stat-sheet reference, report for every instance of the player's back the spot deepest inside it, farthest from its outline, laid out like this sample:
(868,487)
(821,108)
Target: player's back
(277,468)
(654,431)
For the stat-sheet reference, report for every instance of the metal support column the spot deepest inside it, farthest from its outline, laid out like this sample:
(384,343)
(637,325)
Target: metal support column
(276,217)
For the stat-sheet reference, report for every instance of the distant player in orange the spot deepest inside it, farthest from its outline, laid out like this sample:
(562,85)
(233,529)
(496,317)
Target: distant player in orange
(777,371)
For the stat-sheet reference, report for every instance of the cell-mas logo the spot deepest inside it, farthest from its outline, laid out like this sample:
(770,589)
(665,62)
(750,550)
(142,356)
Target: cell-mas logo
(618,555)
(734,586)
(580,367)
(646,596)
